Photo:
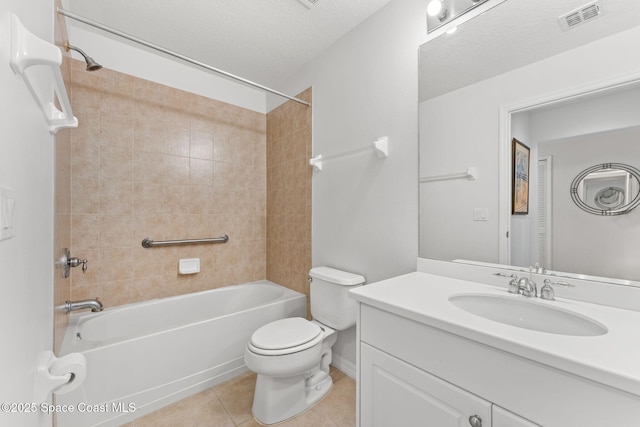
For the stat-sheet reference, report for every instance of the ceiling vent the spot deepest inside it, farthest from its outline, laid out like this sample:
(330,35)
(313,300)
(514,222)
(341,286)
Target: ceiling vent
(308,3)
(581,15)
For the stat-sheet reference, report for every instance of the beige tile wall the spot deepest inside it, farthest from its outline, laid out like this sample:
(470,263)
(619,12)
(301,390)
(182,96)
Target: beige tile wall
(152,161)
(289,194)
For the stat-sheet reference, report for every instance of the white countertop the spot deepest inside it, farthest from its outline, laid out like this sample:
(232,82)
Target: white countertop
(612,359)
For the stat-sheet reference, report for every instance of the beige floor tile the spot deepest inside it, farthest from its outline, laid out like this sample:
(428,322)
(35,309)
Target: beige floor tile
(250,423)
(340,404)
(311,418)
(229,404)
(202,409)
(336,375)
(237,396)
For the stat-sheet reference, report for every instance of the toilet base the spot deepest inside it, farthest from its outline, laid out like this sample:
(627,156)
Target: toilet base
(278,399)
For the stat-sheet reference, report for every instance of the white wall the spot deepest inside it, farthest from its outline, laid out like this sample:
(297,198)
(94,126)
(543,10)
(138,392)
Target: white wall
(521,244)
(126,57)
(469,117)
(365,209)
(26,261)
(364,87)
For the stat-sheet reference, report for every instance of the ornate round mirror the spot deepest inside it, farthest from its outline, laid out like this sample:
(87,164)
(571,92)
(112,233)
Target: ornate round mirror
(607,189)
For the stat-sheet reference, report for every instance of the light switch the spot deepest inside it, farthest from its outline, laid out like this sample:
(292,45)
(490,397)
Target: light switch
(481,214)
(7,213)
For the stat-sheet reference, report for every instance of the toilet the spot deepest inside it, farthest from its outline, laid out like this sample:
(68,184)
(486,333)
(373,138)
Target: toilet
(291,356)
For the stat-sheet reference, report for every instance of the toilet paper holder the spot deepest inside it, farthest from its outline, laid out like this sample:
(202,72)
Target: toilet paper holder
(60,375)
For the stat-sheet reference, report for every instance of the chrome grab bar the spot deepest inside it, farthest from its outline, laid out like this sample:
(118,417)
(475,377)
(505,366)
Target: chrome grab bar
(150,243)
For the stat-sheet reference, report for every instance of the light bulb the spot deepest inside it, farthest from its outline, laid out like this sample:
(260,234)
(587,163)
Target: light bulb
(434,7)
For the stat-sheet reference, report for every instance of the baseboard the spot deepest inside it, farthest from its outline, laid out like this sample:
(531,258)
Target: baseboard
(344,365)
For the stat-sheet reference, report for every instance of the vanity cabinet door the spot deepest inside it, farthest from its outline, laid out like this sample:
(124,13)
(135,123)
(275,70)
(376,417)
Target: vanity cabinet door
(504,418)
(394,393)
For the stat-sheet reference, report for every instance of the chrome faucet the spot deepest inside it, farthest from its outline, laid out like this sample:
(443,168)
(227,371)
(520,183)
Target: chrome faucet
(539,269)
(523,286)
(93,304)
(527,287)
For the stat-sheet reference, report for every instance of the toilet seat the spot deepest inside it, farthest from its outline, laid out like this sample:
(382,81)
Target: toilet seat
(285,336)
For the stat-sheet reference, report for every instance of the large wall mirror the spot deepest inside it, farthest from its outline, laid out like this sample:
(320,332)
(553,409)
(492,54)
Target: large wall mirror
(571,96)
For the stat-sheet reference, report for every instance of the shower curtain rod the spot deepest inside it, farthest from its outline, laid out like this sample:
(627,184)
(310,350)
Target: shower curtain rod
(87,21)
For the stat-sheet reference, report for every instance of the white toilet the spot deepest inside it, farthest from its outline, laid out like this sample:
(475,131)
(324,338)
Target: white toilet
(292,356)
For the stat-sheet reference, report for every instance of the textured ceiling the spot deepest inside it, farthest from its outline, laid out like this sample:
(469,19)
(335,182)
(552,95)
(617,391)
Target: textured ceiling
(511,35)
(263,41)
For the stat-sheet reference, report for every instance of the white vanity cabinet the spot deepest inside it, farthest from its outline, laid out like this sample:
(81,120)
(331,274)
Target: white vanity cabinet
(504,418)
(393,392)
(413,373)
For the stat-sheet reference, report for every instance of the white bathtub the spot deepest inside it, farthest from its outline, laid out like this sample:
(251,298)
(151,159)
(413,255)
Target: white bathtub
(147,355)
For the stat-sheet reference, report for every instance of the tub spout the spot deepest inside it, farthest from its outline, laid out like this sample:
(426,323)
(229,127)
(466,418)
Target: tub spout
(93,304)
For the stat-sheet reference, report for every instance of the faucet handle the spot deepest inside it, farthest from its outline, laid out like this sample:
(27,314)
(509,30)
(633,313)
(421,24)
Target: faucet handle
(74,262)
(547,292)
(501,274)
(513,283)
(565,284)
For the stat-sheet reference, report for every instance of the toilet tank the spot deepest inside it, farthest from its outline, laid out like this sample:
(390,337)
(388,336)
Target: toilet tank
(330,302)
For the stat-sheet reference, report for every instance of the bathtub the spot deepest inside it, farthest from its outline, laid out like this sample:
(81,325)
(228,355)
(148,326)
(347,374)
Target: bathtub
(141,357)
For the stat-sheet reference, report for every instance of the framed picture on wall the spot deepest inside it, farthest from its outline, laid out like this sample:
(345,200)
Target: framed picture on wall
(520,174)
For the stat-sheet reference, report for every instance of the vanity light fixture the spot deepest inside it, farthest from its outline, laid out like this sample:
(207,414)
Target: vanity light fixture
(441,12)
(435,8)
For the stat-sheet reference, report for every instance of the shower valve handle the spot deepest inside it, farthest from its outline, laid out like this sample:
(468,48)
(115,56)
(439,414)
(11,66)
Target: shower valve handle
(74,262)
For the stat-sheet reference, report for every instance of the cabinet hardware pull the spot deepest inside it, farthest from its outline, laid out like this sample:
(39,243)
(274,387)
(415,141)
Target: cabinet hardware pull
(475,421)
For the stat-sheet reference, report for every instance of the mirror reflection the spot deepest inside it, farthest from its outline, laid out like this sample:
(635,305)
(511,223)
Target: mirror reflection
(607,189)
(556,91)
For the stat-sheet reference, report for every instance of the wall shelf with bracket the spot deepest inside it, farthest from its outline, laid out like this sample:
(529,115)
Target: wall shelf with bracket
(27,50)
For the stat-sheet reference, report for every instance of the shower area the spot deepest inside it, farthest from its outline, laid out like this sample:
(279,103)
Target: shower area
(152,161)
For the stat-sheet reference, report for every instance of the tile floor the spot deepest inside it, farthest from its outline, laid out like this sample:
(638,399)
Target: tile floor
(229,405)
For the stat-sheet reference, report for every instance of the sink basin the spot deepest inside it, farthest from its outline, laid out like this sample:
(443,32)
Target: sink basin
(528,314)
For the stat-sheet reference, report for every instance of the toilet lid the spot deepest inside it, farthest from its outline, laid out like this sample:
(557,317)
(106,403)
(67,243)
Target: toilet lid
(285,333)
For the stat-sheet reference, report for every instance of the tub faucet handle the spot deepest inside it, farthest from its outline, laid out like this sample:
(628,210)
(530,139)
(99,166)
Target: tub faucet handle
(74,262)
